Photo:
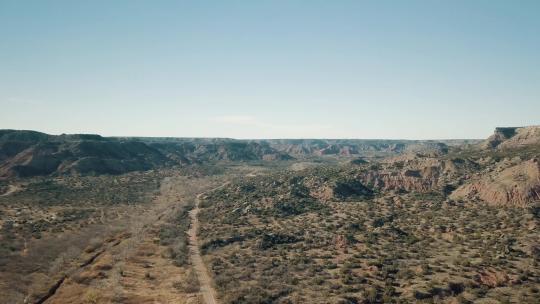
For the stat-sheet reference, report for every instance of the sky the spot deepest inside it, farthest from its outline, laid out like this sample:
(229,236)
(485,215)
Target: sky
(270,69)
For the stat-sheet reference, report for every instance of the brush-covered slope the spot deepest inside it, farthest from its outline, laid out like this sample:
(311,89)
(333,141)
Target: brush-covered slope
(30,153)
(515,184)
(509,172)
(322,235)
(352,147)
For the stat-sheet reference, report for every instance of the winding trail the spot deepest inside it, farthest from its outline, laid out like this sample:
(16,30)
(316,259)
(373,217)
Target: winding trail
(208,292)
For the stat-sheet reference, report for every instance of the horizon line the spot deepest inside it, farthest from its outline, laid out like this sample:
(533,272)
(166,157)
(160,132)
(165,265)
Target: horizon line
(252,138)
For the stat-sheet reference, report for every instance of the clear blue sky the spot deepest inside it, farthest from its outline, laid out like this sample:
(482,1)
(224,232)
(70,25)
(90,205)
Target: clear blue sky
(268,69)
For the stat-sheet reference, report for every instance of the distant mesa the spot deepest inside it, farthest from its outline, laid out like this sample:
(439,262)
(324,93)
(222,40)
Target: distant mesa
(30,153)
(414,165)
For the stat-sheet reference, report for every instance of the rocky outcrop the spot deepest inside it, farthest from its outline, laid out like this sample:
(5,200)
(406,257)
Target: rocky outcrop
(522,137)
(513,137)
(415,172)
(517,185)
(407,180)
(500,135)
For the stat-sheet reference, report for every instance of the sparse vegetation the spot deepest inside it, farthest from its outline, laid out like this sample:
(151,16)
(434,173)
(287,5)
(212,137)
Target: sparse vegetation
(367,249)
(316,230)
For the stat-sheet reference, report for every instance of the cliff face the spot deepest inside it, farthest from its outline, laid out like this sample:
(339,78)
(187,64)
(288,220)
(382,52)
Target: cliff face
(508,138)
(408,180)
(509,182)
(417,173)
(511,173)
(517,185)
(522,137)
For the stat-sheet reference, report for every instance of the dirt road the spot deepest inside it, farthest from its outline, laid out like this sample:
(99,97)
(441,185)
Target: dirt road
(134,266)
(207,291)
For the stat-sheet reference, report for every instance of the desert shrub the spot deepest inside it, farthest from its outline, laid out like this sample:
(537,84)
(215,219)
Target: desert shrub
(296,206)
(217,243)
(405,274)
(535,210)
(180,254)
(272,239)
(63,260)
(349,300)
(91,296)
(421,295)
(378,222)
(174,235)
(257,295)
(190,284)
(371,294)
(93,244)
(456,287)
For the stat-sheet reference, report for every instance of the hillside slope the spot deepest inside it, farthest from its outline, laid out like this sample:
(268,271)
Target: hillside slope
(30,153)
